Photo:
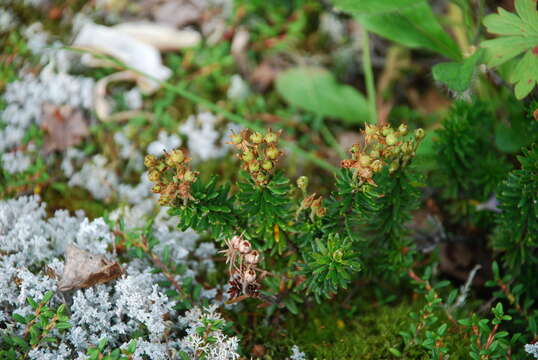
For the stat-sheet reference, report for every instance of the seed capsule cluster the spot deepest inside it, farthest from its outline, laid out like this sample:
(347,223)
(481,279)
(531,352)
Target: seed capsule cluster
(171,176)
(242,260)
(382,146)
(258,153)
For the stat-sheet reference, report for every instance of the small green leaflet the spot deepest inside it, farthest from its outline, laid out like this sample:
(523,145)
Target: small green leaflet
(519,34)
(457,75)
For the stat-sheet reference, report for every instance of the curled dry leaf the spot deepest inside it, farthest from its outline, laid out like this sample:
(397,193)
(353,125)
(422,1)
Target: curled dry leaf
(83,269)
(163,37)
(134,53)
(64,127)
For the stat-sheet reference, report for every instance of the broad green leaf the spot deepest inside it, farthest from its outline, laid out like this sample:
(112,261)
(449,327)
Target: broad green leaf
(525,75)
(518,34)
(457,75)
(415,26)
(315,89)
(373,6)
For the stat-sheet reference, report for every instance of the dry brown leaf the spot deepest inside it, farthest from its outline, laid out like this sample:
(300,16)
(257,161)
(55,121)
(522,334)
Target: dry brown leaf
(64,127)
(83,269)
(265,73)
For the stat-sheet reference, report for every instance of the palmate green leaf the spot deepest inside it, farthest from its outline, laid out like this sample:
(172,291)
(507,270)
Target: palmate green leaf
(457,75)
(315,89)
(409,22)
(519,34)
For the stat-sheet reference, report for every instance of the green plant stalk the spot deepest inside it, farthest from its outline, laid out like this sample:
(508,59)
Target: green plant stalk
(369,77)
(182,91)
(331,140)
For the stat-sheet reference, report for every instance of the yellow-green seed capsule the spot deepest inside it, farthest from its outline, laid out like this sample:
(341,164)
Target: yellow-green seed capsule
(272,153)
(189,176)
(387,130)
(254,166)
(256,138)
(370,130)
(302,183)
(419,134)
(271,137)
(170,161)
(376,166)
(164,200)
(150,161)
(156,189)
(248,156)
(154,176)
(402,129)
(374,154)
(391,139)
(260,178)
(177,156)
(236,139)
(365,160)
(267,165)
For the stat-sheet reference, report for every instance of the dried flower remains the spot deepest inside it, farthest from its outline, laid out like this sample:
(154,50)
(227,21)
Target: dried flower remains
(382,146)
(242,261)
(171,176)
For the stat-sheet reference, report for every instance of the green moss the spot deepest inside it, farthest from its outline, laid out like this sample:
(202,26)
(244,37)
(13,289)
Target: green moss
(331,332)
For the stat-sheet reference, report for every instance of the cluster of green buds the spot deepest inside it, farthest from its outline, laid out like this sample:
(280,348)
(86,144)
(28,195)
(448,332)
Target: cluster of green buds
(382,145)
(258,153)
(310,201)
(171,176)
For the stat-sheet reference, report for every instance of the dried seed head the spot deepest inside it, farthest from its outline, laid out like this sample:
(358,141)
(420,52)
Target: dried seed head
(235,242)
(249,276)
(252,257)
(244,247)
